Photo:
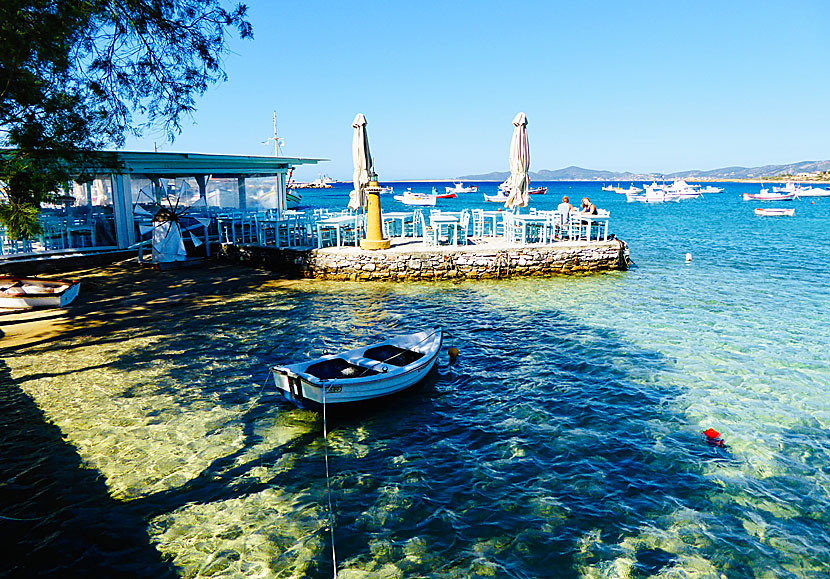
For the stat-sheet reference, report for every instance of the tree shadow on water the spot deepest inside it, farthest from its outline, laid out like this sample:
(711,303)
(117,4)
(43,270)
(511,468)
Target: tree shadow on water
(57,515)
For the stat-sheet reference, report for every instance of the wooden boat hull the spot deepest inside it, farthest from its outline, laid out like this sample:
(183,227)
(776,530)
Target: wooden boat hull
(774,212)
(538,191)
(361,374)
(495,198)
(28,293)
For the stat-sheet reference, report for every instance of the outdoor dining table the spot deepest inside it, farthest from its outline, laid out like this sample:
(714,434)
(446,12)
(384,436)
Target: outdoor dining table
(527,221)
(401,216)
(447,220)
(337,223)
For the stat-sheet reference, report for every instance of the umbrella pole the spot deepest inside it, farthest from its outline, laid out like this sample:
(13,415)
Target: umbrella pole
(374,231)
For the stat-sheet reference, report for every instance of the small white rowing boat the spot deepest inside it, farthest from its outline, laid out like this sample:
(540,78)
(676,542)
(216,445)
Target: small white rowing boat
(27,293)
(361,374)
(774,211)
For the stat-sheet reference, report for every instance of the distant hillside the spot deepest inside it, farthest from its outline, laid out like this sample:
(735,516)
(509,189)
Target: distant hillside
(579,174)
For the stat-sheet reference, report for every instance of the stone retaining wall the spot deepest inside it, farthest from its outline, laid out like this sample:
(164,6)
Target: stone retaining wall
(422,263)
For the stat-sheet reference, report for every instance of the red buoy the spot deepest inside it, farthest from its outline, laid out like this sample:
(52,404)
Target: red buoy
(713,437)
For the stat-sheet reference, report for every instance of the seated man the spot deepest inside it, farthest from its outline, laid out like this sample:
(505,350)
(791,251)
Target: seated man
(565,207)
(588,207)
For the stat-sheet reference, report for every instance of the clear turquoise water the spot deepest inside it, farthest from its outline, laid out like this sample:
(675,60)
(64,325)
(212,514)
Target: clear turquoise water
(566,441)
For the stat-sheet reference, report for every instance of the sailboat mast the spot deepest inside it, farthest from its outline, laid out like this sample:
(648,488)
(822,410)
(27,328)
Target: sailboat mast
(276,141)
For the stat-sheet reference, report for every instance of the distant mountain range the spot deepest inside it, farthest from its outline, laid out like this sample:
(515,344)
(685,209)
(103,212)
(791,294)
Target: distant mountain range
(579,174)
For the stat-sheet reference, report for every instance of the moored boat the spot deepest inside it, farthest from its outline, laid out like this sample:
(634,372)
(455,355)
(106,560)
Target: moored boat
(360,374)
(460,188)
(443,195)
(27,293)
(499,197)
(537,191)
(789,187)
(410,198)
(774,211)
(711,189)
(653,194)
(812,192)
(765,195)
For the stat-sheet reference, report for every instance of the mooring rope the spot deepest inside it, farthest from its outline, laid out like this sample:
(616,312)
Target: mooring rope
(328,484)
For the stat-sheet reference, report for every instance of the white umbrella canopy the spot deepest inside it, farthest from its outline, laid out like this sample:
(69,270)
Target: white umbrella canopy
(519,164)
(362,163)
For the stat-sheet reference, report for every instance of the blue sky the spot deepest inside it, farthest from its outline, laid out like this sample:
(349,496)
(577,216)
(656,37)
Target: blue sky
(642,86)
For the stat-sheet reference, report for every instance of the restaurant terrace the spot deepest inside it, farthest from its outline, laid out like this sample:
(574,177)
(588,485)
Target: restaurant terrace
(103,214)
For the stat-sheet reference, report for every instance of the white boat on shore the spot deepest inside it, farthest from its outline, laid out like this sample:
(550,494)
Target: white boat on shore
(360,374)
(27,293)
(460,188)
(774,211)
(410,198)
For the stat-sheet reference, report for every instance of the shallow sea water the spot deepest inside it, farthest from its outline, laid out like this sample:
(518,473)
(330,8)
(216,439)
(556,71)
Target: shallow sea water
(566,441)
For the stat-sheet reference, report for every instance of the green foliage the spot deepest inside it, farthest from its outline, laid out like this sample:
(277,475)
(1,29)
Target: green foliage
(74,72)
(20,219)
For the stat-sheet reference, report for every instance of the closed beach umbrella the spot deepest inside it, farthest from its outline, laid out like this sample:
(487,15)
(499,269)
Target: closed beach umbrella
(362,163)
(519,164)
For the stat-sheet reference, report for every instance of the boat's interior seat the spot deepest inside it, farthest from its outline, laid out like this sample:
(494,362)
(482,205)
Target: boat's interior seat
(392,355)
(338,368)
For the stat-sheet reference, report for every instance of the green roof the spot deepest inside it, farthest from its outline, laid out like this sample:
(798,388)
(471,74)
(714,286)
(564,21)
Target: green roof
(192,164)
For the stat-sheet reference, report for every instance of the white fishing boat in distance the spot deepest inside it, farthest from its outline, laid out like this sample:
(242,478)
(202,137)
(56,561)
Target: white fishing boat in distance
(361,374)
(765,195)
(410,198)
(460,188)
(27,293)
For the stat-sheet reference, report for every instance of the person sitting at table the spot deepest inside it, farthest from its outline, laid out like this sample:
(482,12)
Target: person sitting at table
(565,207)
(588,207)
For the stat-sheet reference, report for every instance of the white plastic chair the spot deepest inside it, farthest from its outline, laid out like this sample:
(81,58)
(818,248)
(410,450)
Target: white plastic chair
(462,230)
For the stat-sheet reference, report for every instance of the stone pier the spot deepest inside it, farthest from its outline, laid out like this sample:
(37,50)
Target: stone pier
(411,260)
